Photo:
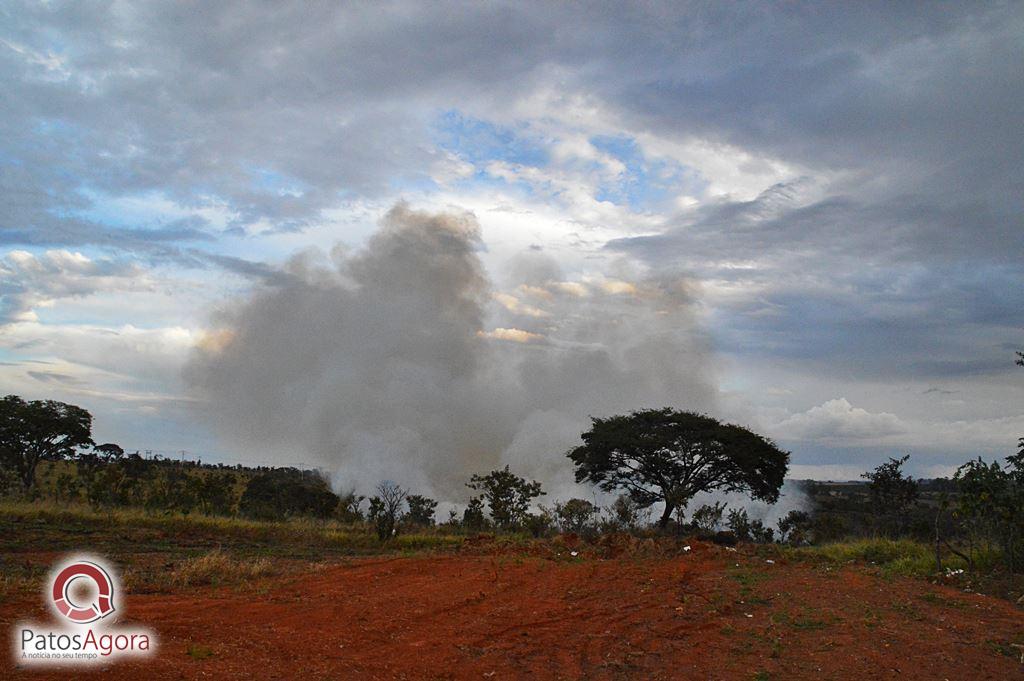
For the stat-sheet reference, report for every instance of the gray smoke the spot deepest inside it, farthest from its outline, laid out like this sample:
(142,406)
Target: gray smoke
(402,361)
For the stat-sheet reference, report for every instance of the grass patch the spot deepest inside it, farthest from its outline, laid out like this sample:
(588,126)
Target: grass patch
(748,578)
(26,526)
(939,599)
(877,551)
(418,542)
(903,557)
(909,558)
(809,624)
(199,652)
(216,568)
(159,551)
(1006,648)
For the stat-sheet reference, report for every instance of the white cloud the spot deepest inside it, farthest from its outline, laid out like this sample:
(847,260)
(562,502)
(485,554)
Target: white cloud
(838,422)
(28,281)
(514,335)
(126,354)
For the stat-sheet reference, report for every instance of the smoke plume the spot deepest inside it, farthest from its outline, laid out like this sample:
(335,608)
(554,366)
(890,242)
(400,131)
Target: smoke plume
(402,361)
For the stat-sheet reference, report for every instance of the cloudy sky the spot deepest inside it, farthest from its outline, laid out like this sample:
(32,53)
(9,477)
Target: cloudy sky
(417,239)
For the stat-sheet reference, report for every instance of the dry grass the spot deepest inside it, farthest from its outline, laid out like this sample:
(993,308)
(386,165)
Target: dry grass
(160,552)
(217,568)
(47,523)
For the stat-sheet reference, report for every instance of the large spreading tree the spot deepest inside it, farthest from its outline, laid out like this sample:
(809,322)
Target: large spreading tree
(668,456)
(40,430)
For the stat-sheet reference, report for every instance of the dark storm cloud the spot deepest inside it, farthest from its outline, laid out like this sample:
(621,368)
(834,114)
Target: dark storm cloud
(332,98)
(900,287)
(853,85)
(279,109)
(910,261)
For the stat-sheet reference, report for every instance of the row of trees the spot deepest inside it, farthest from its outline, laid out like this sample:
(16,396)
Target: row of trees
(653,456)
(648,458)
(505,504)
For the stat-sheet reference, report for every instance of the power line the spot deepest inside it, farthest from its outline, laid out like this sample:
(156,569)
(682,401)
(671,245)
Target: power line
(184,455)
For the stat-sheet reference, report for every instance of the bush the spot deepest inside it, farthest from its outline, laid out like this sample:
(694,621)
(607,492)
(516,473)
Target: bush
(386,508)
(170,489)
(473,518)
(991,507)
(707,518)
(538,524)
(421,510)
(625,514)
(284,492)
(575,515)
(795,528)
(891,494)
(508,496)
(745,529)
(216,493)
(348,509)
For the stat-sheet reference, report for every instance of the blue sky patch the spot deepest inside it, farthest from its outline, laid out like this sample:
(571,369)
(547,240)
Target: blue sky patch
(480,142)
(646,183)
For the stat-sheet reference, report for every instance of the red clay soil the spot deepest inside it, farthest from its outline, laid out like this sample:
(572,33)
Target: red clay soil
(706,614)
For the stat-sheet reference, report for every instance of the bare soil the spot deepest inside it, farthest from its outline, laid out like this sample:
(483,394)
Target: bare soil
(709,613)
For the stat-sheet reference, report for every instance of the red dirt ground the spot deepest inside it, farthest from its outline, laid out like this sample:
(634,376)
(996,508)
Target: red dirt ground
(706,614)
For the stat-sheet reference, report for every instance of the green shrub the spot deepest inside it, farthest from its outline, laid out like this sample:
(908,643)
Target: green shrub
(284,492)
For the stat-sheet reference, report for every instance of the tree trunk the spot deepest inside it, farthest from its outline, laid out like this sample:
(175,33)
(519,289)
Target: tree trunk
(28,473)
(666,516)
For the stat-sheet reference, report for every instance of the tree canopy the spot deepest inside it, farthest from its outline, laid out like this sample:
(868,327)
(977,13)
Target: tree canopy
(421,509)
(39,430)
(891,491)
(508,495)
(663,455)
(284,492)
(386,508)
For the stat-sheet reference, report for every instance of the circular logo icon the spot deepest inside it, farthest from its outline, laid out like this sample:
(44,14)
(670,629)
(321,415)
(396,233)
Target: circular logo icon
(83,613)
